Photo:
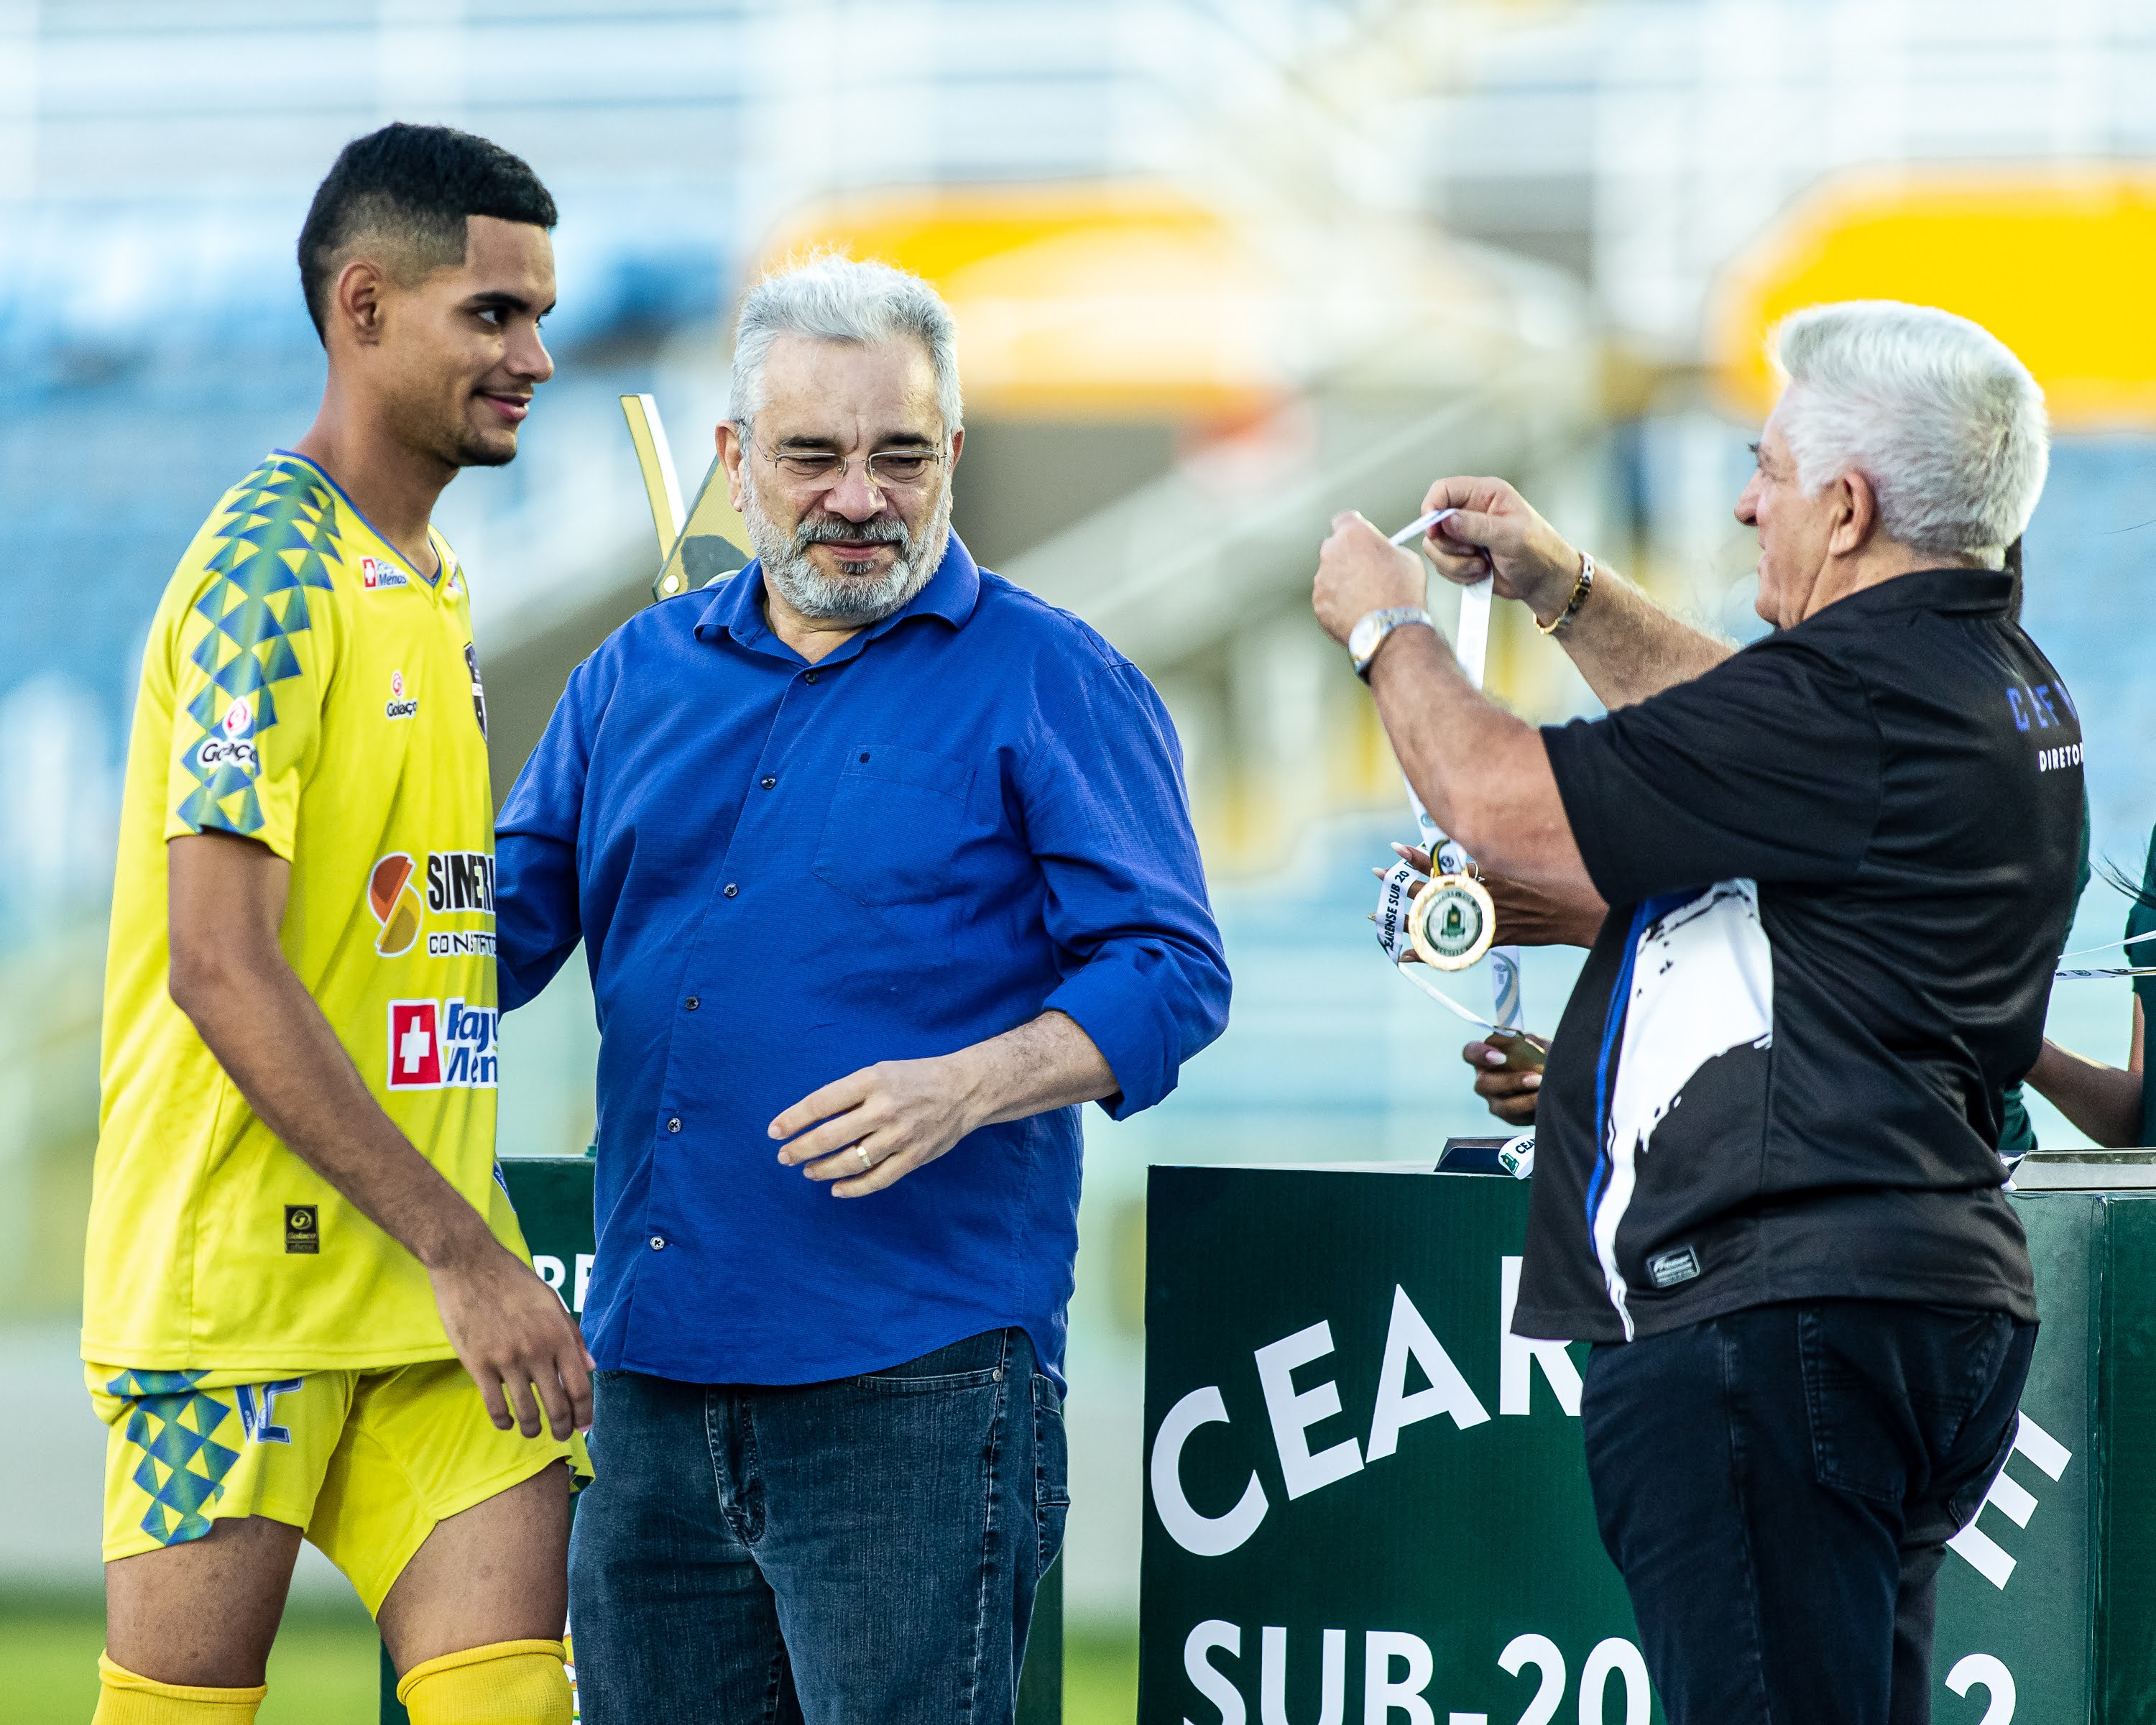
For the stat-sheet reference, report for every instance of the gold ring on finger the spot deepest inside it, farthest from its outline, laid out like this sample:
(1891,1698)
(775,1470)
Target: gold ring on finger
(862,1151)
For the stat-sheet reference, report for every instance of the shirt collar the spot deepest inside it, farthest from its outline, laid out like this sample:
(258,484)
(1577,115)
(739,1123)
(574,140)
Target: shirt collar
(1978,592)
(737,607)
(443,563)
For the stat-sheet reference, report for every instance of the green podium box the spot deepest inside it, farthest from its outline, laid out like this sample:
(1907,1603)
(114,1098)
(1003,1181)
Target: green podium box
(1366,1500)
(554,1199)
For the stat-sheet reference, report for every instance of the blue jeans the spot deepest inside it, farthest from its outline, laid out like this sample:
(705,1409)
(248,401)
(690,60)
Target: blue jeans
(1777,1487)
(863,1551)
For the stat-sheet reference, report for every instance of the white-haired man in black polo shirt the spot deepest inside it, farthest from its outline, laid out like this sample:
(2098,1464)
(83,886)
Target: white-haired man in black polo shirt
(1839,866)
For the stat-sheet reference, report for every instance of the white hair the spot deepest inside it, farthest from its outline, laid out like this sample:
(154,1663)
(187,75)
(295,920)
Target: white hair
(1933,410)
(830,298)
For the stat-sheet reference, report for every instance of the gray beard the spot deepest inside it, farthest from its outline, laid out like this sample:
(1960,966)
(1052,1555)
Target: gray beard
(845,598)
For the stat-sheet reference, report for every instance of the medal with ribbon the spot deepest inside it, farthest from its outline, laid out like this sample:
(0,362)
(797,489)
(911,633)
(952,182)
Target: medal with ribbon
(1449,924)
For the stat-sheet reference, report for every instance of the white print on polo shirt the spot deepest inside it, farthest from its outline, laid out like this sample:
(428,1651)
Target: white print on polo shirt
(376,572)
(1702,984)
(2068,754)
(397,706)
(442,1044)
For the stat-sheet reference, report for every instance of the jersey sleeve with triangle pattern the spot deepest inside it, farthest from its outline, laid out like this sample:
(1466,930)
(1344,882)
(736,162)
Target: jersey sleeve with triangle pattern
(253,656)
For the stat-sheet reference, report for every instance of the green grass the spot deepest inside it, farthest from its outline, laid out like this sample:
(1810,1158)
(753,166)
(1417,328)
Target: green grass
(1101,1679)
(324,1670)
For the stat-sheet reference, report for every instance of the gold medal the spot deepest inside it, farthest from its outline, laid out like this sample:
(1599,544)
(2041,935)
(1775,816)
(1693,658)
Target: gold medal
(1453,919)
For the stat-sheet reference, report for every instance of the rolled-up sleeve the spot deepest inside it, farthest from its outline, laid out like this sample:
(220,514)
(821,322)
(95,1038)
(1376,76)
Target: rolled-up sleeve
(1109,822)
(537,921)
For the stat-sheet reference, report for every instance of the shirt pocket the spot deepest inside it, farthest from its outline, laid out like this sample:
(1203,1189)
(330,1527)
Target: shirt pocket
(897,819)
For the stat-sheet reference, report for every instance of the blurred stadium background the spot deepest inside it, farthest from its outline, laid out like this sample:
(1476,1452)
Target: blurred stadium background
(1221,267)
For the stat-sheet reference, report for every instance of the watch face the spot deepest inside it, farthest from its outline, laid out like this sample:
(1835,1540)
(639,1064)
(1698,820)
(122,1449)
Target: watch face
(1362,639)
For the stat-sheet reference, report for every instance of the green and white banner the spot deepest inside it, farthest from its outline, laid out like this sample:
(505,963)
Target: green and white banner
(1366,1499)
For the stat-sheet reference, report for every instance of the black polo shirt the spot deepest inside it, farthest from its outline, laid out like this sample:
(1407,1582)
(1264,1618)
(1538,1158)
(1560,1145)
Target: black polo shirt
(1841,869)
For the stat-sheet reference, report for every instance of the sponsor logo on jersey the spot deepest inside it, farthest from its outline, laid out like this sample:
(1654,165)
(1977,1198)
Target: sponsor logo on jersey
(231,744)
(461,880)
(457,883)
(379,571)
(460,943)
(215,751)
(478,690)
(303,1228)
(395,901)
(398,706)
(442,1044)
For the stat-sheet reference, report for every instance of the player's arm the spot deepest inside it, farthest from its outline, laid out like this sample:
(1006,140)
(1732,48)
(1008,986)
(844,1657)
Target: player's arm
(1625,645)
(2103,1100)
(230,977)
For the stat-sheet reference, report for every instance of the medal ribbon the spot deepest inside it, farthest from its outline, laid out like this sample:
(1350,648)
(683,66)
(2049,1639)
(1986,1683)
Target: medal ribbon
(1471,648)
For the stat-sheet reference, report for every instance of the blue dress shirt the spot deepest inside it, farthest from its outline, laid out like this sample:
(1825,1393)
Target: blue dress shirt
(969,814)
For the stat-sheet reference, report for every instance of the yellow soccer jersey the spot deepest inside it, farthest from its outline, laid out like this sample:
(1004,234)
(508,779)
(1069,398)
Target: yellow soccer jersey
(303,685)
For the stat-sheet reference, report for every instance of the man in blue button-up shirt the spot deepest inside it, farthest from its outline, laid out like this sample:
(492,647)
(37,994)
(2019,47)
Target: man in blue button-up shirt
(882,866)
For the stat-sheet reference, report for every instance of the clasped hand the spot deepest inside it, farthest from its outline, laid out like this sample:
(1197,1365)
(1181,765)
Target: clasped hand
(880,1124)
(1528,916)
(1493,531)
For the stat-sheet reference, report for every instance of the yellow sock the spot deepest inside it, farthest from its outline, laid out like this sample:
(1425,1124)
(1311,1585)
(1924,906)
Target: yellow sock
(126,1699)
(508,1683)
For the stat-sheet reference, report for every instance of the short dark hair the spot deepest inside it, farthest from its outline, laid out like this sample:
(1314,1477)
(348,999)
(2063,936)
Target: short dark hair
(413,185)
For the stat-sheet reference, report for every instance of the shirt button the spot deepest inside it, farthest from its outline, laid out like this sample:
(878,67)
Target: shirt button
(809,677)
(673,1125)
(693,1002)
(766,782)
(657,1244)
(732,890)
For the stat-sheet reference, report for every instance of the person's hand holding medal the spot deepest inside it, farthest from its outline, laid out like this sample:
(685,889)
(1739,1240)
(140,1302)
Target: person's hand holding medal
(1508,1064)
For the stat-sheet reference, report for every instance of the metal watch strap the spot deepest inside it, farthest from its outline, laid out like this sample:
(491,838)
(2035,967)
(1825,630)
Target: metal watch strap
(1389,619)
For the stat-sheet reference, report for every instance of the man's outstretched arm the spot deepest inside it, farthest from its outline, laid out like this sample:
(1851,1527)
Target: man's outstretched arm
(230,977)
(1483,774)
(1625,645)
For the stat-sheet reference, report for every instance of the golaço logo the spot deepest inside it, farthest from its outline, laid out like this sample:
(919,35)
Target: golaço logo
(442,1044)
(229,744)
(397,706)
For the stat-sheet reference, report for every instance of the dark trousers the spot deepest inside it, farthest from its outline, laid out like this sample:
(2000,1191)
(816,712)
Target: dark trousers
(863,1551)
(1778,1487)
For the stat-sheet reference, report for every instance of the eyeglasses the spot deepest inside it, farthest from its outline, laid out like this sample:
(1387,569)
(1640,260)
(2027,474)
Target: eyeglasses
(888,470)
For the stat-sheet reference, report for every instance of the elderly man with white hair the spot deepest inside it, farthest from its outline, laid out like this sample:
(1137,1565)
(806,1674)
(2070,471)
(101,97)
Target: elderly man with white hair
(882,867)
(1837,867)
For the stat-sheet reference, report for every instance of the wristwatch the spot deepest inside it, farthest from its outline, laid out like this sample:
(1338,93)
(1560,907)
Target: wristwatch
(1370,631)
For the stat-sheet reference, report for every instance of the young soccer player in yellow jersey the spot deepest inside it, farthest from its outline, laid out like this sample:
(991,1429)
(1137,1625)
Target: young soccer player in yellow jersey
(308,1308)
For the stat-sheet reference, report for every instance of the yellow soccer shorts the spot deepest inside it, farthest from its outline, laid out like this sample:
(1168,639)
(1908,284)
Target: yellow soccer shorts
(365,1462)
